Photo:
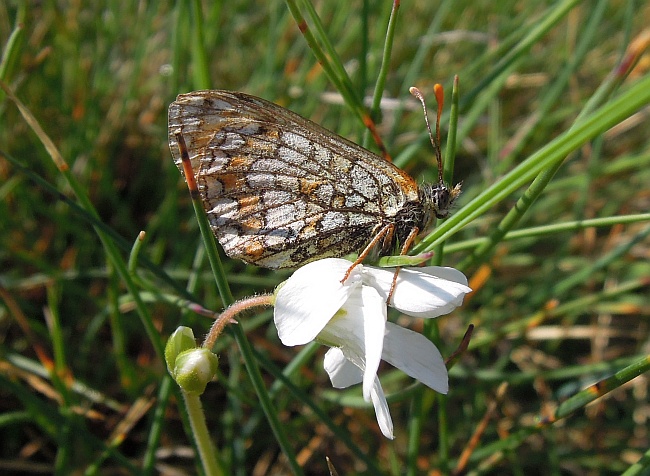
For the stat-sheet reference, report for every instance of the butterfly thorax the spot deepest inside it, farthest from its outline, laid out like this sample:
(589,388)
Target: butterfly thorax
(437,200)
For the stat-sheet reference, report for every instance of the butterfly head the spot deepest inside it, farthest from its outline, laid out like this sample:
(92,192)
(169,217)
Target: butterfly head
(438,200)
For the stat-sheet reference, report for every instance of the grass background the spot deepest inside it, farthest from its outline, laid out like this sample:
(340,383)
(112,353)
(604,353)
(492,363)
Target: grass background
(557,307)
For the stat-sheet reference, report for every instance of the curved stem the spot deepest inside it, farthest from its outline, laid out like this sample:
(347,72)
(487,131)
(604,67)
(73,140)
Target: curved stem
(228,316)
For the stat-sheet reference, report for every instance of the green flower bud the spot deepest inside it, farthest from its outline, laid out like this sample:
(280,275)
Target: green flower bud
(194,369)
(180,341)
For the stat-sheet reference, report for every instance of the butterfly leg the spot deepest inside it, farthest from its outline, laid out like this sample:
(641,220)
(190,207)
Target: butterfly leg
(405,247)
(386,233)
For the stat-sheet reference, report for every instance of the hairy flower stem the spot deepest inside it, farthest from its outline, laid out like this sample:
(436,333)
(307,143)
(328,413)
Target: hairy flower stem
(228,316)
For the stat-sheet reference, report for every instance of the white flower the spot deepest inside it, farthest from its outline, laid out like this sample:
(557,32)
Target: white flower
(351,318)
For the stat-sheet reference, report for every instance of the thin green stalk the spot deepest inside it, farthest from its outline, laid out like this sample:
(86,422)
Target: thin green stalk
(119,339)
(597,390)
(301,359)
(330,52)
(384,69)
(11,51)
(416,65)
(135,252)
(640,468)
(443,433)
(450,150)
(207,452)
(213,255)
(57,375)
(449,161)
(200,67)
(551,229)
(326,55)
(415,423)
(505,59)
(602,119)
(528,377)
(362,80)
(149,459)
(470,118)
(122,270)
(487,97)
(286,381)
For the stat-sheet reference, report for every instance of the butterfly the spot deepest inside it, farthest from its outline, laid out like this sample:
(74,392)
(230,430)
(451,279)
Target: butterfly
(281,191)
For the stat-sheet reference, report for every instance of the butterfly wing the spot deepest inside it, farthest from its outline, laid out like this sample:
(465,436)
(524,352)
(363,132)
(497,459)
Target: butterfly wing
(280,190)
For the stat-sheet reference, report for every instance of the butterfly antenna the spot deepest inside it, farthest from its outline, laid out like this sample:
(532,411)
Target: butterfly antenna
(437,89)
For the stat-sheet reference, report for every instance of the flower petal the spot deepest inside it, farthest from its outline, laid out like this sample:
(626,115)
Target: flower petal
(381,409)
(346,329)
(310,297)
(359,332)
(415,355)
(374,326)
(342,372)
(420,292)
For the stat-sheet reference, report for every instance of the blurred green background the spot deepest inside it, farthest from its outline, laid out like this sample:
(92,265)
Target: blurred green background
(555,309)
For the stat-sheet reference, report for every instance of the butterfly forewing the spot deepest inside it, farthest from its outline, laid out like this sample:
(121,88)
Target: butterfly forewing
(280,190)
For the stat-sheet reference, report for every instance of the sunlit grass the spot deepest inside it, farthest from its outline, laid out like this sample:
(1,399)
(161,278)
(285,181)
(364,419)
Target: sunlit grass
(560,301)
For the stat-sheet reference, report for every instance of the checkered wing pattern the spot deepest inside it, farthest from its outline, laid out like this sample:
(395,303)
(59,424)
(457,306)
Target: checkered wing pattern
(280,190)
